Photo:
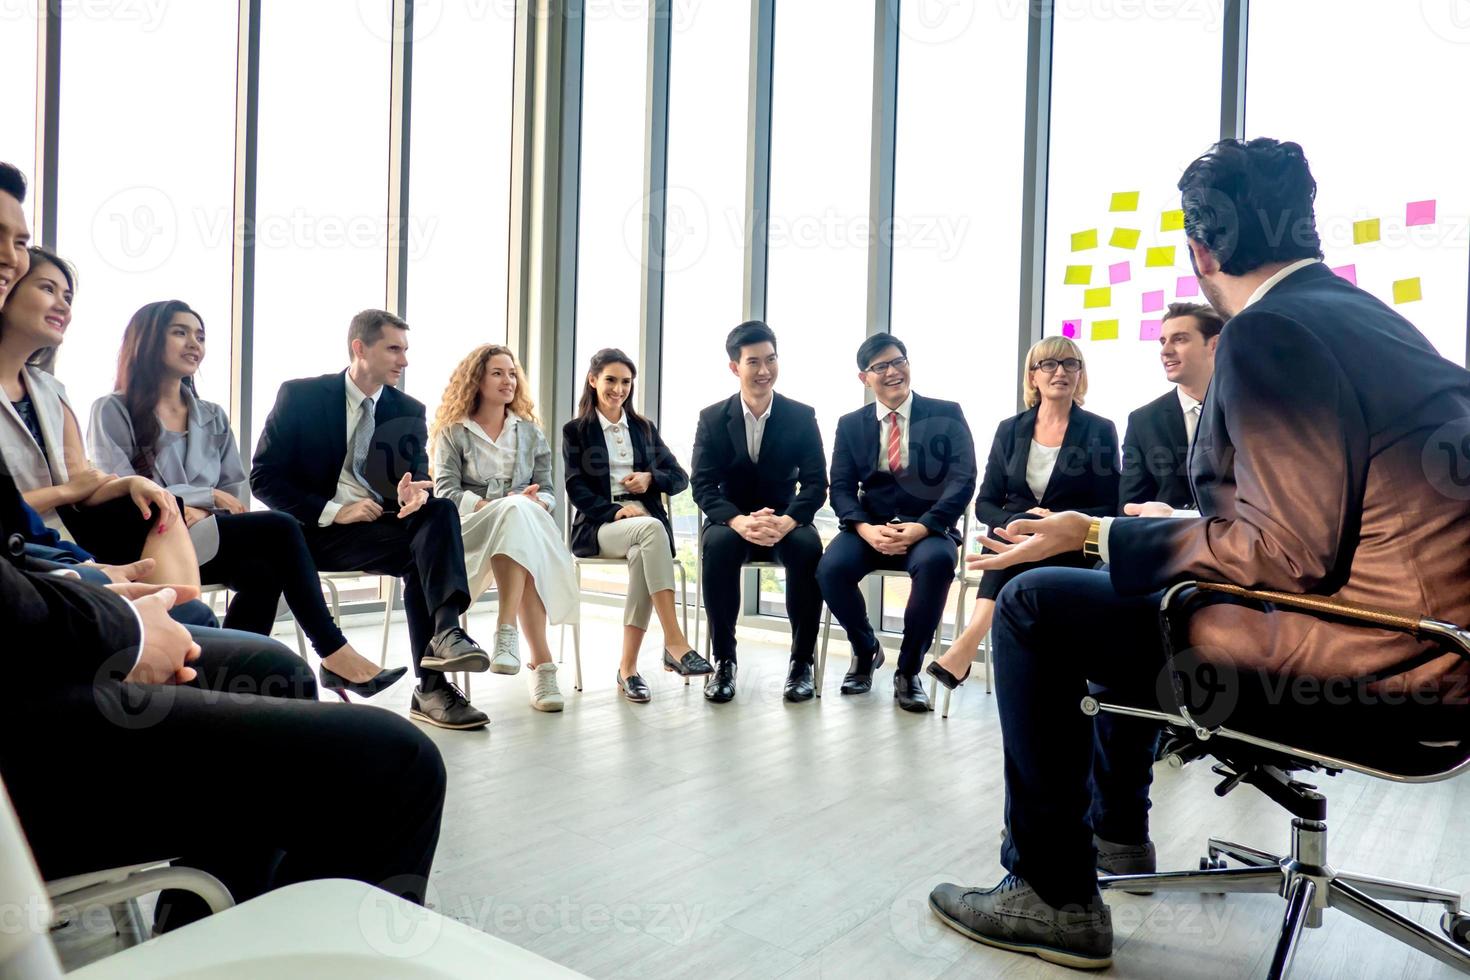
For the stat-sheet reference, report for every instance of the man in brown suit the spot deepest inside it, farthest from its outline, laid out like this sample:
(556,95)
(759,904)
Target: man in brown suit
(1332,458)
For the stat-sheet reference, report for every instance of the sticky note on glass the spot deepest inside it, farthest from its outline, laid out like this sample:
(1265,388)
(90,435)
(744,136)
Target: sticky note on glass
(1365,231)
(1096,297)
(1159,257)
(1104,329)
(1124,238)
(1124,201)
(1082,240)
(1171,221)
(1419,213)
(1153,301)
(1348,272)
(1150,329)
(1407,290)
(1072,328)
(1119,272)
(1078,275)
(1186,286)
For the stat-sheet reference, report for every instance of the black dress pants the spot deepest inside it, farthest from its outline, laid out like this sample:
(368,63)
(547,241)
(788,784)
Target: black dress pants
(799,552)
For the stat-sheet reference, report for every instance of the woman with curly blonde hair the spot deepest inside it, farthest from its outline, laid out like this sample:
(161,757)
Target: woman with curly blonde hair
(493,461)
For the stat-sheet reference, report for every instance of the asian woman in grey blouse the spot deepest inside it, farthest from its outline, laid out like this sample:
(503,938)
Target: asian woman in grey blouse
(155,425)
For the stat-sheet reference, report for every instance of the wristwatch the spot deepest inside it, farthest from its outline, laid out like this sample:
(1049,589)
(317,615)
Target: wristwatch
(1092,544)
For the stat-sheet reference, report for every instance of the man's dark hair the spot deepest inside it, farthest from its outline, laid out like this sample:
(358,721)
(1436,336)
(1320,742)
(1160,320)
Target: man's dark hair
(748,333)
(1250,203)
(12,181)
(870,348)
(368,326)
(1209,319)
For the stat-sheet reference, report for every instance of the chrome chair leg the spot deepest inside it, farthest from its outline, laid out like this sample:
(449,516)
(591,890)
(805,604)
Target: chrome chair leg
(1387,889)
(826,635)
(1343,896)
(1254,881)
(1298,904)
(1250,856)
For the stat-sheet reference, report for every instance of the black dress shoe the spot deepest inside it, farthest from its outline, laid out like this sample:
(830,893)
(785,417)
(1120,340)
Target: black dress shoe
(446,707)
(945,677)
(799,681)
(380,681)
(689,664)
(452,650)
(859,680)
(634,688)
(909,692)
(719,687)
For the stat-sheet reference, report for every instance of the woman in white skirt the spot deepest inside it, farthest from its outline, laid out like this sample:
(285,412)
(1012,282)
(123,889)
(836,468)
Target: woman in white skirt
(492,459)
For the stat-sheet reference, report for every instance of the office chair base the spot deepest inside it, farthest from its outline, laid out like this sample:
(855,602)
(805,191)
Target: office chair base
(1310,887)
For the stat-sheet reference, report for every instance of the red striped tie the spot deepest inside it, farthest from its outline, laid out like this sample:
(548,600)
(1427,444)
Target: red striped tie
(895,444)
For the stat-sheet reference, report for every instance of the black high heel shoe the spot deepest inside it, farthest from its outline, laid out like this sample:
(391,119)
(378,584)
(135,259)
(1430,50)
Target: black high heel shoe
(381,681)
(945,677)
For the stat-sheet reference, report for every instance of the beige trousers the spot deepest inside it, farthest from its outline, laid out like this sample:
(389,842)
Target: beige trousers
(643,541)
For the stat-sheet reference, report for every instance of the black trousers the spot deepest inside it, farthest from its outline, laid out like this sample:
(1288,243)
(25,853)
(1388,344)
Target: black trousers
(262,554)
(242,774)
(930,565)
(799,552)
(425,550)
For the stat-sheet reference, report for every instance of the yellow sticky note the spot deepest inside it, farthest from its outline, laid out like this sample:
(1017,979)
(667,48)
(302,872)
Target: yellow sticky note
(1171,221)
(1078,275)
(1124,238)
(1104,329)
(1097,296)
(1084,239)
(1407,290)
(1124,201)
(1365,231)
(1160,256)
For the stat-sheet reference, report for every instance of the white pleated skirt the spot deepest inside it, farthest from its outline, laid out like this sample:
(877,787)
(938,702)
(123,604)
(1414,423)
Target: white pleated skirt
(521,529)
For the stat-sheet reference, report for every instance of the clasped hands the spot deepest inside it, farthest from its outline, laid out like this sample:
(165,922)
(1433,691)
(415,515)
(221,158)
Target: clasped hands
(1027,541)
(892,539)
(763,528)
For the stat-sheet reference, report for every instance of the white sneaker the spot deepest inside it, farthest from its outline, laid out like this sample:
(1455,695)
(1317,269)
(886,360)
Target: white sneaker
(544,693)
(506,659)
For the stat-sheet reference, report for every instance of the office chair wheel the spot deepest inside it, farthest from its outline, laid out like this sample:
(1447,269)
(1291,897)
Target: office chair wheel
(1212,864)
(1456,925)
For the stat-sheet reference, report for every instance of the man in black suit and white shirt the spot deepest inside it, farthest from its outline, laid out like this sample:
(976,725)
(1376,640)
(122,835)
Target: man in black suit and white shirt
(346,455)
(1156,448)
(751,451)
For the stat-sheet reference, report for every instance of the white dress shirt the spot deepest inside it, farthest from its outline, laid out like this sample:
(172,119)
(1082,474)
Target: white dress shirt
(1191,409)
(755,429)
(349,490)
(903,432)
(619,451)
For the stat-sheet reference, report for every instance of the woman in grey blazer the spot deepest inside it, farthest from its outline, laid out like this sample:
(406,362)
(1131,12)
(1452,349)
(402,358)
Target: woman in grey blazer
(156,426)
(492,460)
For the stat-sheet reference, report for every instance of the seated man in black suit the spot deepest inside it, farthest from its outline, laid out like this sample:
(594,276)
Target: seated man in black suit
(1156,448)
(751,451)
(903,472)
(346,455)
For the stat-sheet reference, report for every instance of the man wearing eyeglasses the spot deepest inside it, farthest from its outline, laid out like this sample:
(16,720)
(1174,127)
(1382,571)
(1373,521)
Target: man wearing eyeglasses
(903,472)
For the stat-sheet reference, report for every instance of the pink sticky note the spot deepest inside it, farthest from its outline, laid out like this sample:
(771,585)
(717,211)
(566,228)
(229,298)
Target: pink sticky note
(1419,213)
(1348,272)
(1150,329)
(1186,286)
(1072,328)
(1153,301)
(1119,272)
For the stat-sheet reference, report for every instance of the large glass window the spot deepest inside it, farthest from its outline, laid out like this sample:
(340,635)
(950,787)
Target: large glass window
(146,182)
(18,55)
(1392,189)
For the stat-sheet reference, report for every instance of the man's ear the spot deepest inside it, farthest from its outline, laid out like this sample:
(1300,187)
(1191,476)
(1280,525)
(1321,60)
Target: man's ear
(1204,260)
(735,369)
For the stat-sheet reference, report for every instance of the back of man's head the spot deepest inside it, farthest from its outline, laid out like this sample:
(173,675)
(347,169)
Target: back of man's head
(1251,204)
(12,181)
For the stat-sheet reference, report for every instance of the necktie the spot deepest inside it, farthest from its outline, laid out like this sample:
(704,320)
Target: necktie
(362,436)
(895,444)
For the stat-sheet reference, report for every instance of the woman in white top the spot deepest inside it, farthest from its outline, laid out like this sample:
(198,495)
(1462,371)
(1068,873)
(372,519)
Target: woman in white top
(491,458)
(1051,457)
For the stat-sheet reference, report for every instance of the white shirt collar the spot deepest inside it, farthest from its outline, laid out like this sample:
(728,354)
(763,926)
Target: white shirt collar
(1281,274)
(608,424)
(751,415)
(902,410)
(355,395)
(1185,402)
(475,428)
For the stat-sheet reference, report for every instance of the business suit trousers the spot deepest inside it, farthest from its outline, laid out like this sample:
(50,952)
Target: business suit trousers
(930,565)
(726,551)
(425,549)
(645,544)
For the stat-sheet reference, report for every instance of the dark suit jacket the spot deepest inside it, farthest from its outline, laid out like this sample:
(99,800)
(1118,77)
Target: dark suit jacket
(1330,459)
(727,483)
(1156,455)
(1085,478)
(585,453)
(304,444)
(933,490)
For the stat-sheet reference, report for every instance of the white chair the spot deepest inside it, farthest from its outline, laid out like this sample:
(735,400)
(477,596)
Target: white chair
(967,582)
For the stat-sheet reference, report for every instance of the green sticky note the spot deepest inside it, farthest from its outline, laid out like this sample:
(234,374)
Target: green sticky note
(1078,275)
(1365,231)
(1407,290)
(1159,256)
(1124,238)
(1097,296)
(1124,201)
(1171,221)
(1082,240)
(1104,329)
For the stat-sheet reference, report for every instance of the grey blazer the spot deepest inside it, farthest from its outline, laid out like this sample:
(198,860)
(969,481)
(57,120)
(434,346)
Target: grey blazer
(30,466)
(463,471)
(191,465)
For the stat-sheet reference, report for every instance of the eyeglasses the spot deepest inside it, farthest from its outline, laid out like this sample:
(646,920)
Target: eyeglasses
(1049,366)
(898,364)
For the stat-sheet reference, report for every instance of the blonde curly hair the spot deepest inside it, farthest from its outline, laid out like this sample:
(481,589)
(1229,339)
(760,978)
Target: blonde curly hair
(461,397)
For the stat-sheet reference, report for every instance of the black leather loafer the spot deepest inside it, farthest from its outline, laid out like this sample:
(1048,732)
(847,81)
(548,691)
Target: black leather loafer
(859,680)
(909,691)
(634,688)
(689,664)
(799,682)
(719,687)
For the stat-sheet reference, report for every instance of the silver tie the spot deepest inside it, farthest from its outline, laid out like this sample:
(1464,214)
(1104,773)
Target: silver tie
(362,436)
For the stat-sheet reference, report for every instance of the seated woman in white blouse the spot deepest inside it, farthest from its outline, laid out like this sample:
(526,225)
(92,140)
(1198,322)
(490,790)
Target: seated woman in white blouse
(491,458)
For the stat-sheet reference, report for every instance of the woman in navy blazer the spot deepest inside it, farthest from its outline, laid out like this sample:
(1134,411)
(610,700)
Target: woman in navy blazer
(1052,457)
(617,468)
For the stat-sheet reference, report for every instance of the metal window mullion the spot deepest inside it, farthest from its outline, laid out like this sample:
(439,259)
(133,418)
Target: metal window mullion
(655,202)
(48,122)
(881,165)
(520,202)
(758,158)
(400,105)
(1233,69)
(1034,177)
(242,257)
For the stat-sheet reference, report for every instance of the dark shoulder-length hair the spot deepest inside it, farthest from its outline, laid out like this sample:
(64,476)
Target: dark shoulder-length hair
(587,408)
(45,358)
(140,373)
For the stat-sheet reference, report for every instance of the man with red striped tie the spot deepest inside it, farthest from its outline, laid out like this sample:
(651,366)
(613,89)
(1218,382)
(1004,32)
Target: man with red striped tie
(903,472)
